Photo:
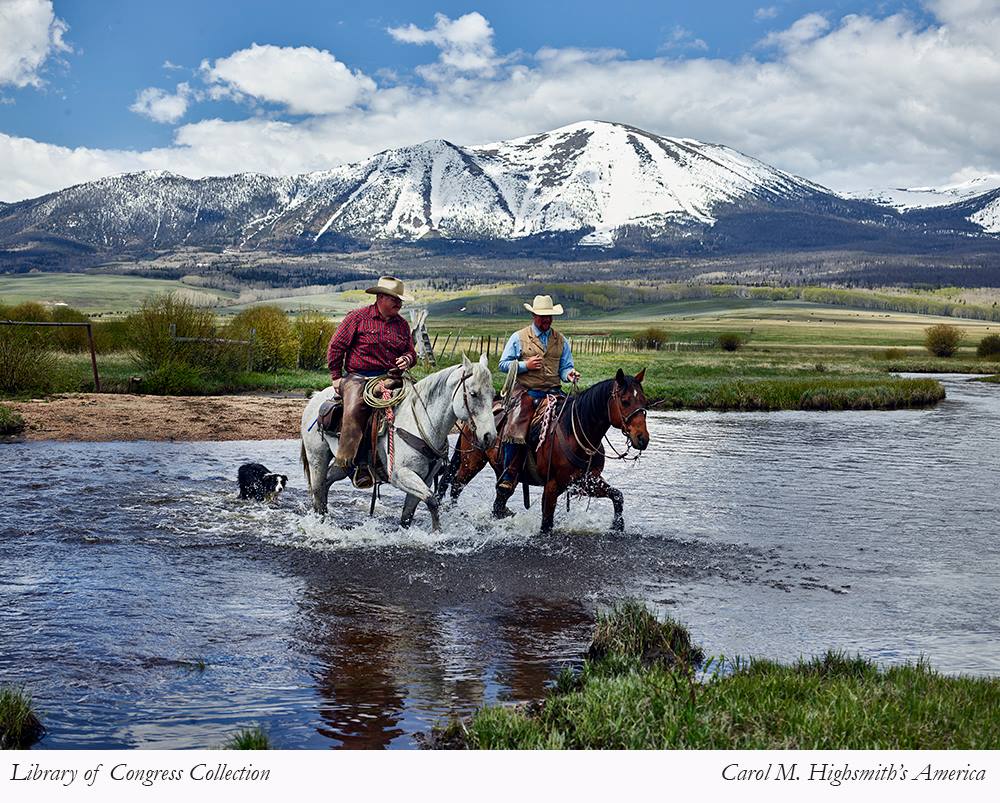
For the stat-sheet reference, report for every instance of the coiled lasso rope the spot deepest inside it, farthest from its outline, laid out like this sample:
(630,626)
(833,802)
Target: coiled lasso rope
(376,397)
(379,397)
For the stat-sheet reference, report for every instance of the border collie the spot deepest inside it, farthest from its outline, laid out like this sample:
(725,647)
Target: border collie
(256,482)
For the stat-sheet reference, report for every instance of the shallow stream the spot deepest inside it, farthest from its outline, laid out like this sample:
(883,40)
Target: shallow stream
(144,605)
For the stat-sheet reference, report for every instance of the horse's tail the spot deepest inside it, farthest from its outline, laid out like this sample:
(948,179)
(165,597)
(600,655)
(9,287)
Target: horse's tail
(305,463)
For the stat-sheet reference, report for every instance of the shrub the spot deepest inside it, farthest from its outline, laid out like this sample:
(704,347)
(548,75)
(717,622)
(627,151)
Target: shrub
(730,341)
(28,311)
(894,354)
(174,378)
(149,335)
(650,338)
(27,365)
(274,342)
(19,727)
(111,336)
(313,332)
(942,340)
(69,338)
(11,422)
(989,346)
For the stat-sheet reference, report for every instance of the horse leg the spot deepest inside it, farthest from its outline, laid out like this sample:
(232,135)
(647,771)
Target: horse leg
(549,497)
(409,508)
(407,480)
(500,509)
(315,462)
(471,460)
(594,485)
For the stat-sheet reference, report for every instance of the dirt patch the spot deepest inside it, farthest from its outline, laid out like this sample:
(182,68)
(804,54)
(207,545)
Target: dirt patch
(111,417)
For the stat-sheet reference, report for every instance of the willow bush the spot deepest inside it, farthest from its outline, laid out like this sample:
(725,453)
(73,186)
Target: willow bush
(943,340)
(989,346)
(313,332)
(274,341)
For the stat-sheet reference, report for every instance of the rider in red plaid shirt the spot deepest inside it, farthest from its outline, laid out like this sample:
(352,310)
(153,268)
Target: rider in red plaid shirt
(370,341)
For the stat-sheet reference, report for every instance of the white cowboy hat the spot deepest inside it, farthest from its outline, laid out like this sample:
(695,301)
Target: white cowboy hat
(390,286)
(542,305)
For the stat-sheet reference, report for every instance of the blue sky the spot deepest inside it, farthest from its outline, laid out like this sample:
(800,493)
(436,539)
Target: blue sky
(851,94)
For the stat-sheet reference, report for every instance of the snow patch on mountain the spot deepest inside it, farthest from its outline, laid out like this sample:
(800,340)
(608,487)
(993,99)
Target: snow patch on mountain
(905,198)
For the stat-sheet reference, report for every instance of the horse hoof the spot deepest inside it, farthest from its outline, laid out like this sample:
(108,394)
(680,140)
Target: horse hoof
(502,513)
(618,525)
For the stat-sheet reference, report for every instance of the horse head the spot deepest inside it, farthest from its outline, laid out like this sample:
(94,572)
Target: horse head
(472,398)
(627,408)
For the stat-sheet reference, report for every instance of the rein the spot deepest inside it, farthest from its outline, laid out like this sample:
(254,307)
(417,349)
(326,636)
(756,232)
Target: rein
(590,449)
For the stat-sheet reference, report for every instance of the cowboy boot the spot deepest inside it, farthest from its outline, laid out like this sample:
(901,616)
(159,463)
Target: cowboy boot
(513,461)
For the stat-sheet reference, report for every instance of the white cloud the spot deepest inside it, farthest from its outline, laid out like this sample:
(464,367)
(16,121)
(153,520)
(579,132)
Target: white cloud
(682,39)
(803,30)
(302,79)
(862,102)
(466,43)
(162,107)
(30,33)
(766,13)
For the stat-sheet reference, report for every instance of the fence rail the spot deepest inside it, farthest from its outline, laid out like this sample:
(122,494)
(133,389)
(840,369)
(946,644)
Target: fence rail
(90,340)
(223,340)
(492,345)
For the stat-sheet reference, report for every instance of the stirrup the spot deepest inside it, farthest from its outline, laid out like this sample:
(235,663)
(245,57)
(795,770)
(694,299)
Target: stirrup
(507,485)
(363,478)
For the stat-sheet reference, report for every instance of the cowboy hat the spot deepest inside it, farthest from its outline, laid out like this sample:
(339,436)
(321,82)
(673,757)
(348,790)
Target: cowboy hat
(542,305)
(389,286)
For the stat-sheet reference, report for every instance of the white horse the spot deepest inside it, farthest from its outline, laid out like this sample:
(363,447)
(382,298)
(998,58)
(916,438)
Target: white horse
(427,413)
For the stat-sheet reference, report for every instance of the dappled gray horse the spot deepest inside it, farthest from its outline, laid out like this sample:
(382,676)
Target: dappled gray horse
(427,414)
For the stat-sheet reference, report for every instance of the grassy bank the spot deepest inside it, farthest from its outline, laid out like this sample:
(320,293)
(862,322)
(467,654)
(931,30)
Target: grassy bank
(11,422)
(640,691)
(19,726)
(750,380)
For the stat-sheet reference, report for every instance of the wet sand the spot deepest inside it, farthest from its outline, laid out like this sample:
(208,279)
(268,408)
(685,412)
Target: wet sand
(114,417)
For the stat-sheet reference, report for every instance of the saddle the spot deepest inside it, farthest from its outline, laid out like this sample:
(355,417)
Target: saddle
(330,420)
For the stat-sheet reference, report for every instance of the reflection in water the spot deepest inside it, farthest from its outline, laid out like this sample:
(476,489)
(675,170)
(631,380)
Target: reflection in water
(152,608)
(361,698)
(531,628)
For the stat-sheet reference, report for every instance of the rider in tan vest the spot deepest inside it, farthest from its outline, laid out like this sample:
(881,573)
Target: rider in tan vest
(543,360)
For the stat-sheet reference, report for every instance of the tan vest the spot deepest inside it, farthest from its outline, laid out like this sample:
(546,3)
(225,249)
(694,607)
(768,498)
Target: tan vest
(548,377)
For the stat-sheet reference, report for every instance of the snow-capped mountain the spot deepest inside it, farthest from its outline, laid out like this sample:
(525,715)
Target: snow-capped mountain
(974,201)
(905,198)
(587,184)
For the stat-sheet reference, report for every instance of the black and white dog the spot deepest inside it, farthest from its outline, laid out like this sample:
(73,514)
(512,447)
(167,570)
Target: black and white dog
(256,482)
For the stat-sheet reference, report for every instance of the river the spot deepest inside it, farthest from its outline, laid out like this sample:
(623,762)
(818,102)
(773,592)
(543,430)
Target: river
(143,605)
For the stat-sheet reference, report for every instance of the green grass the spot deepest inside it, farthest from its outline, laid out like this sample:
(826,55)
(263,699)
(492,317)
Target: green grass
(835,702)
(97,293)
(11,422)
(19,726)
(254,738)
(745,380)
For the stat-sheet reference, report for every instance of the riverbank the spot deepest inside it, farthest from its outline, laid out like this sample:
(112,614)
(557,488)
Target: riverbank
(123,417)
(639,689)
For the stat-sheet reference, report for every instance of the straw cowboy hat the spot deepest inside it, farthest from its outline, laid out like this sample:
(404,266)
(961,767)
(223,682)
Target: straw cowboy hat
(542,305)
(390,286)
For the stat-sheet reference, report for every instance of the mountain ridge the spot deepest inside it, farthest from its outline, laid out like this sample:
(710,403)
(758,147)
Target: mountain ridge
(589,184)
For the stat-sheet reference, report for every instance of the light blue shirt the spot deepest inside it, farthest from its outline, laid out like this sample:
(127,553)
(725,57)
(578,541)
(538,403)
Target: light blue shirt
(512,354)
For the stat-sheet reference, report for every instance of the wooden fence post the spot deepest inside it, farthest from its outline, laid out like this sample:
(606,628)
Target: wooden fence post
(93,358)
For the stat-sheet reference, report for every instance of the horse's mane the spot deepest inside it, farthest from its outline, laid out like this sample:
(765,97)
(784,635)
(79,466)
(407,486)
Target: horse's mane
(591,404)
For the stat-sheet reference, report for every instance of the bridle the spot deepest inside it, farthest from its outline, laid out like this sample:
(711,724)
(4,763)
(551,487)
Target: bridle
(589,449)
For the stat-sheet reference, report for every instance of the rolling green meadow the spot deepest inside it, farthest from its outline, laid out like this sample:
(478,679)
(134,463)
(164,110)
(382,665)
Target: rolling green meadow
(791,353)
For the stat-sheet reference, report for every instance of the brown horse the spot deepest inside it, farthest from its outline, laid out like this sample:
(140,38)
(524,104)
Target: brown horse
(571,455)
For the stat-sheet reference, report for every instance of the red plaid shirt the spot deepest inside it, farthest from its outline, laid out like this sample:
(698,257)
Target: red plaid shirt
(364,341)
